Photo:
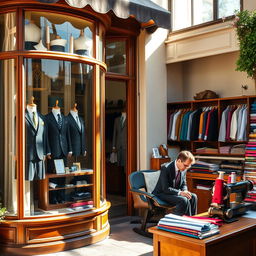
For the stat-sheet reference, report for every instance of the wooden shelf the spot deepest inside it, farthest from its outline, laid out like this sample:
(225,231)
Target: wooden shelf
(218,154)
(69,174)
(71,187)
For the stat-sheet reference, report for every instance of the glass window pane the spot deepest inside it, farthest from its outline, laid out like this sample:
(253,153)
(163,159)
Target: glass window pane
(8,181)
(59,128)
(181,13)
(116,56)
(8,32)
(50,31)
(227,7)
(202,11)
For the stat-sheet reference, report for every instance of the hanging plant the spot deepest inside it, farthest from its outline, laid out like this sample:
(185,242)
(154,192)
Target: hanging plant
(245,23)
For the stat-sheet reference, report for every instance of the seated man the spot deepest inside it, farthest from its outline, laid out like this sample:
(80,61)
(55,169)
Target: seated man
(172,186)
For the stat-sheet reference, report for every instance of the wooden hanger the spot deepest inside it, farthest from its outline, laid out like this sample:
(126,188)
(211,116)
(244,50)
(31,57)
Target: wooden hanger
(56,105)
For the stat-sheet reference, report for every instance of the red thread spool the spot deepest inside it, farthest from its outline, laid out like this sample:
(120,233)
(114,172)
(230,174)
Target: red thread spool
(218,191)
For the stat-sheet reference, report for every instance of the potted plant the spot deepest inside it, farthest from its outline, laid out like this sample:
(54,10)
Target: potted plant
(245,24)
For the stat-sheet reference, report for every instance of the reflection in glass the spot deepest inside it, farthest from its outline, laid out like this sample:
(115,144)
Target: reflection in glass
(48,31)
(59,127)
(116,56)
(227,7)
(203,11)
(8,32)
(8,181)
(181,13)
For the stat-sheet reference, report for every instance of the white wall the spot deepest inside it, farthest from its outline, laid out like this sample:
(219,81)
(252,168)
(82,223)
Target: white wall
(152,88)
(216,73)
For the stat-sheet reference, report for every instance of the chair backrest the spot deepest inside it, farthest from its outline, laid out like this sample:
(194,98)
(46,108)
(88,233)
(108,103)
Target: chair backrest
(137,182)
(137,179)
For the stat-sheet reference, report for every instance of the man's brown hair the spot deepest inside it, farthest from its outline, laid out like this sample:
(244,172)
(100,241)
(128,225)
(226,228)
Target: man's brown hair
(184,155)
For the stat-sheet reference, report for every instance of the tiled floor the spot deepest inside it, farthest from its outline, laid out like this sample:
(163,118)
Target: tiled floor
(123,241)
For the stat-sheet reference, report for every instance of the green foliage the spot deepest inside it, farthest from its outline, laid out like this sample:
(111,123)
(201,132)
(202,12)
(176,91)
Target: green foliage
(2,212)
(245,23)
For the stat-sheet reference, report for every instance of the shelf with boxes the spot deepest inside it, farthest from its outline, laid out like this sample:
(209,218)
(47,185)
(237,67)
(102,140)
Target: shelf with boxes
(76,187)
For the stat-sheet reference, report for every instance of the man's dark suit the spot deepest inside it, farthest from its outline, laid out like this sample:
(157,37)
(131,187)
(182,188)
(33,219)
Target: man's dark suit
(60,146)
(59,139)
(36,147)
(77,135)
(166,191)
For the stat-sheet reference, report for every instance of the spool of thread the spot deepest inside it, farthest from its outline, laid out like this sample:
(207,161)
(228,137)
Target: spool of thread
(229,179)
(218,190)
(233,177)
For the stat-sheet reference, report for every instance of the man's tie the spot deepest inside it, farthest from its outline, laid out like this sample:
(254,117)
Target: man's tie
(78,122)
(34,119)
(177,179)
(59,121)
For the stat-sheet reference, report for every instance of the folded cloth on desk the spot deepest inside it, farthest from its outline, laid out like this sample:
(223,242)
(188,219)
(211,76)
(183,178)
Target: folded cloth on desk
(187,226)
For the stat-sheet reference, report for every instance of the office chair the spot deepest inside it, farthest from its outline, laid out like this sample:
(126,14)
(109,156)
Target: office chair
(142,183)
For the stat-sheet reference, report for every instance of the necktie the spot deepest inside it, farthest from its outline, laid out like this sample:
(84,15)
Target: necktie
(177,179)
(59,121)
(34,119)
(78,122)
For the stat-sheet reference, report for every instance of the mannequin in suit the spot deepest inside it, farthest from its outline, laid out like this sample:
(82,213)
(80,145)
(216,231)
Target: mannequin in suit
(172,186)
(36,143)
(120,138)
(59,145)
(77,132)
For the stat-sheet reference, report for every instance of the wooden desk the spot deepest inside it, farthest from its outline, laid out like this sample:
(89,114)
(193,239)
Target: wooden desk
(235,239)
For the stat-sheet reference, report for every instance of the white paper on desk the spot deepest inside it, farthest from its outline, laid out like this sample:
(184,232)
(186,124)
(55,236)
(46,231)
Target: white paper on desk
(250,214)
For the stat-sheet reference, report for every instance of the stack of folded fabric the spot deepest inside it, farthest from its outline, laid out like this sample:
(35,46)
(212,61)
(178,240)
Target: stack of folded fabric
(204,167)
(251,196)
(188,226)
(250,155)
(224,149)
(206,150)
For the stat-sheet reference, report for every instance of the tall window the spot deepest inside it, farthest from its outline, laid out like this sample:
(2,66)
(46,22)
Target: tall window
(188,13)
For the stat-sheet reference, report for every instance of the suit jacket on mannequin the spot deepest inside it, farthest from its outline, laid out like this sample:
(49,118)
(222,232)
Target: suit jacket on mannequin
(36,147)
(165,184)
(120,140)
(77,135)
(59,139)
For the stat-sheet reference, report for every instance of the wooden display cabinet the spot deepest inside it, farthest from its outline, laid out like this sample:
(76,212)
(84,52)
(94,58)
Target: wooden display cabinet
(204,196)
(44,191)
(155,163)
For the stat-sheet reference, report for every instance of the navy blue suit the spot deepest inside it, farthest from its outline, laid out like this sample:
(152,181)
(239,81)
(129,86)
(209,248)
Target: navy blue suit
(165,190)
(77,136)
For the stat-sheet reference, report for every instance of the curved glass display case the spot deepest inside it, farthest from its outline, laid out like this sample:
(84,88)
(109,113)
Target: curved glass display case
(51,126)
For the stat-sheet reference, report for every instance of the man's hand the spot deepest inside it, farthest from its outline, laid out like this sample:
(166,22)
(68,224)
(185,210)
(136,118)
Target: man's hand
(186,194)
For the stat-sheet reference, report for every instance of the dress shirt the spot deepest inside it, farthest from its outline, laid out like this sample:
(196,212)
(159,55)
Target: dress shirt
(76,117)
(176,173)
(233,125)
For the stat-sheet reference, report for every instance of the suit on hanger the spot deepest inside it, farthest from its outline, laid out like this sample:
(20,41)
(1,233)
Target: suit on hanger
(167,191)
(36,147)
(77,135)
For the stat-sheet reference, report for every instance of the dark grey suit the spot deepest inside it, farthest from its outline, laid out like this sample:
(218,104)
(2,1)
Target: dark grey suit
(120,140)
(77,135)
(59,139)
(36,147)
(167,192)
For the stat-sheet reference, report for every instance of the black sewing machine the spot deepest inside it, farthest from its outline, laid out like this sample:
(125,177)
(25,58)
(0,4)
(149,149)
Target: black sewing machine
(228,209)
